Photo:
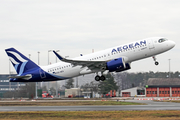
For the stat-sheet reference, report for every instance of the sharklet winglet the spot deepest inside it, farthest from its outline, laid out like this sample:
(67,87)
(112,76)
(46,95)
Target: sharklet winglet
(60,57)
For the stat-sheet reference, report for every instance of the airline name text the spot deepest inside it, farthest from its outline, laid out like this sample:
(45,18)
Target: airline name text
(132,45)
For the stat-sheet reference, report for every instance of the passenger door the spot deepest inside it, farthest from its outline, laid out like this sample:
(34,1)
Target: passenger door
(151,44)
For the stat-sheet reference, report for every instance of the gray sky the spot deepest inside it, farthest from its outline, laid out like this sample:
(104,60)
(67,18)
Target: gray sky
(78,26)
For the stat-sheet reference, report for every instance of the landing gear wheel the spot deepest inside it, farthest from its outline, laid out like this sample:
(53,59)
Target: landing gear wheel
(103,78)
(97,78)
(156,63)
(154,58)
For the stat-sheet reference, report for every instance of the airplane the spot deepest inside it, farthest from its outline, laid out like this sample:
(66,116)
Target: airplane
(115,59)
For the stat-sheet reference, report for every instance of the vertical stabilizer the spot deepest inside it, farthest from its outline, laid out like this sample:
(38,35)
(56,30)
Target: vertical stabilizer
(20,62)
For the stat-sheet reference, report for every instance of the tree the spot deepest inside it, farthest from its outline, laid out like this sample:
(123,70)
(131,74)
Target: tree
(30,89)
(69,84)
(91,86)
(108,84)
(44,88)
(121,80)
(52,91)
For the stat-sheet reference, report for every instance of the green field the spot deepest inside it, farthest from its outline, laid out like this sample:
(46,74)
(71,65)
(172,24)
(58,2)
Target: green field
(89,115)
(175,101)
(65,103)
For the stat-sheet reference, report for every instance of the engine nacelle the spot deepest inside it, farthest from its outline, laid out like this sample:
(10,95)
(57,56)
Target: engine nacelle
(117,65)
(128,66)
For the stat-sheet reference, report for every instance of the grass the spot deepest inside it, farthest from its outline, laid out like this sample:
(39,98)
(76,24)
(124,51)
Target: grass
(83,115)
(175,101)
(89,115)
(64,103)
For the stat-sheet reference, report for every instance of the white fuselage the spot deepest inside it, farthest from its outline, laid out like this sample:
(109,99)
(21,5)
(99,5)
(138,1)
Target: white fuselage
(131,52)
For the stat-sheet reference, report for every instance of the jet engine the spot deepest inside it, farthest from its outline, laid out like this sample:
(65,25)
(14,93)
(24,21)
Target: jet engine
(117,65)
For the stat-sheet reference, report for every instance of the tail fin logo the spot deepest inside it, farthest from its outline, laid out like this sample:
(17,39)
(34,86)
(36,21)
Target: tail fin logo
(18,62)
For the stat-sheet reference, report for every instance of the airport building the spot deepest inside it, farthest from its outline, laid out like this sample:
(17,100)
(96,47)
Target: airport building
(163,87)
(6,86)
(133,92)
(156,87)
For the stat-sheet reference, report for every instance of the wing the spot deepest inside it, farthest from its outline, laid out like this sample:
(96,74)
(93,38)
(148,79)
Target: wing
(92,65)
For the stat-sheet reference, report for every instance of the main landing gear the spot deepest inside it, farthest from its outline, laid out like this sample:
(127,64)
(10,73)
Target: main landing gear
(154,58)
(98,78)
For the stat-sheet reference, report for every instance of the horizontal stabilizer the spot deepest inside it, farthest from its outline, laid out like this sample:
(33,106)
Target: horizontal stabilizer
(21,77)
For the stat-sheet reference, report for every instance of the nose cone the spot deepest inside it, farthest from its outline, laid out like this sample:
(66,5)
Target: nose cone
(172,44)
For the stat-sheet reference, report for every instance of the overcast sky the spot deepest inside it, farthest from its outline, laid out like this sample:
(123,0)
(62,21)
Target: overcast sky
(78,26)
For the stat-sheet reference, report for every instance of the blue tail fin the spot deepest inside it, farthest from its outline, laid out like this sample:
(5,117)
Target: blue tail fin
(20,62)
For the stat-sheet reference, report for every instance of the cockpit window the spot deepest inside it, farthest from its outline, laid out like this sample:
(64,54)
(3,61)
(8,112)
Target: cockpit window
(162,40)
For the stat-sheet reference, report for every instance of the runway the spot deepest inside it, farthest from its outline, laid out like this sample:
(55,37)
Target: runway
(151,105)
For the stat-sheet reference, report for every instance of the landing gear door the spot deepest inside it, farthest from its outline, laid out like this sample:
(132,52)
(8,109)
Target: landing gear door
(42,73)
(151,44)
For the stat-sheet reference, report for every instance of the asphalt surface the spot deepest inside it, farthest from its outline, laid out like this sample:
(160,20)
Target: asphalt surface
(151,105)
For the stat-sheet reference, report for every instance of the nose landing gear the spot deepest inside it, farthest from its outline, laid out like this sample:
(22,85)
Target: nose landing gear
(154,58)
(156,63)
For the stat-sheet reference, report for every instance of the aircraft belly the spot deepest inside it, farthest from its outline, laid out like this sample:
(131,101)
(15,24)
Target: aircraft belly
(72,72)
